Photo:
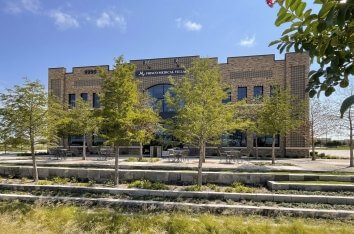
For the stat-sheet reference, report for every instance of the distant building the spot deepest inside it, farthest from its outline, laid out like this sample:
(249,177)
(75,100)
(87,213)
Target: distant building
(247,77)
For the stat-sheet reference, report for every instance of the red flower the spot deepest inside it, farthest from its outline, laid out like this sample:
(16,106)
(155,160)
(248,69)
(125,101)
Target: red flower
(270,3)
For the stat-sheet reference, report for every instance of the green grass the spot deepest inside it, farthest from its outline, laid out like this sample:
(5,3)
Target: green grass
(136,159)
(317,182)
(145,184)
(23,218)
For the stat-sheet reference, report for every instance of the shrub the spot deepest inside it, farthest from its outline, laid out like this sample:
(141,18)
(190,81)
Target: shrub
(135,159)
(214,187)
(91,183)
(145,184)
(44,182)
(109,182)
(238,187)
(59,180)
(195,188)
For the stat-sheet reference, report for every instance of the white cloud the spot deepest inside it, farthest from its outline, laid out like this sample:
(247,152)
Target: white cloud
(110,19)
(188,25)
(64,20)
(16,7)
(248,41)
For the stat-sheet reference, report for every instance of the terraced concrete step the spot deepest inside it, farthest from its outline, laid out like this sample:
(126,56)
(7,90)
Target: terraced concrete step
(179,206)
(283,185)
(259,197)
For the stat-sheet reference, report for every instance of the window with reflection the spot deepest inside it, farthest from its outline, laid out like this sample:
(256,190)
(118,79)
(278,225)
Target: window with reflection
(258,91)
(235,139)
(266,141)
(76,140)
(241,93)
(228,97)
(97,140)
(158,93)
(95,100)
(72,100)
(84,96)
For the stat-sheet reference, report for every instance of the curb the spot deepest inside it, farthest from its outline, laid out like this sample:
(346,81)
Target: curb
(273,185)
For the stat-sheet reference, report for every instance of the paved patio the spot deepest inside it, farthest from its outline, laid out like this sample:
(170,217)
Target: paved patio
(303,164)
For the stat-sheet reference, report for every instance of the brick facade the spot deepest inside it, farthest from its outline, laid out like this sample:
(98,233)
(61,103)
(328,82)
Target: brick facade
(247,71)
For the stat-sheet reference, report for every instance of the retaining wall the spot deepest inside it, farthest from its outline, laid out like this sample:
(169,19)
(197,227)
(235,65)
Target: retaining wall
(272,185)
(168,177)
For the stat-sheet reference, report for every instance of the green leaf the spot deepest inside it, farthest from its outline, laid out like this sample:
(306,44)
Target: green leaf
(346,104)
(300,9)
(274,42)
(289,30)
(325,9)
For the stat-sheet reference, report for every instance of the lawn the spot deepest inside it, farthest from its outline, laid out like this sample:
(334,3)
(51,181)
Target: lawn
(17,217)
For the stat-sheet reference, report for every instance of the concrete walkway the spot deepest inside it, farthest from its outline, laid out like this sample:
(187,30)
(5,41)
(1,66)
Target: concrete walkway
(303,164)
(335,152)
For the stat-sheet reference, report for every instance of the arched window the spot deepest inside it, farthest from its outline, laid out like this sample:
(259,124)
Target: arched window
(158,93)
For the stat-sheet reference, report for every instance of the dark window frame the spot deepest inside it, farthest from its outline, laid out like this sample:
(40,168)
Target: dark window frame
(96,101)
(84,96)
(71,100)
(254,91)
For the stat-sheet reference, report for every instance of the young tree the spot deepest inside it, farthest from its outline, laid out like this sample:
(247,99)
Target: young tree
(201,117)
(146,121)
(280,115)
(327,35)
(25,109)
(81,120)
(320,121)
(5,132)
(119,99)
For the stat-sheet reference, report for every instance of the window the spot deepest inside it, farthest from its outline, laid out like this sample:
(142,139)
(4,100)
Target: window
(266,141)
(228,98)
(71,100)
(274,89)
(158,92)
(241,93)
(236,139)
(84,96)
(97,140)
(95,100)
(76,140)
(258,91)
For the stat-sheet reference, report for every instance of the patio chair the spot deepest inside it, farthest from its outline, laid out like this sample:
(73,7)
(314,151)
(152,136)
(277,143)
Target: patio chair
(245,154)
(222,154)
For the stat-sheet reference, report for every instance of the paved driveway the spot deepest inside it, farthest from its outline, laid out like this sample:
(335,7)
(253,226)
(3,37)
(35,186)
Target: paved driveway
(339,153)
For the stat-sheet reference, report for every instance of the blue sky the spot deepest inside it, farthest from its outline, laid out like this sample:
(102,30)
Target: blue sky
(37,34)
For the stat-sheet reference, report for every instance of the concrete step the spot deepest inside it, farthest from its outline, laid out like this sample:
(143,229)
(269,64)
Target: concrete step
(283,185)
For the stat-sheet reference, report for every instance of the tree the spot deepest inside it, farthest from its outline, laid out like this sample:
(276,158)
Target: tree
(25,109)
(81,120)
(320,121)
(5,132)
(119,99)
(146,121)
(201,117)
(280,115)
(327,36)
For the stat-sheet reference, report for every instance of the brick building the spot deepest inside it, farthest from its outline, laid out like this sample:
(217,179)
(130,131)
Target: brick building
(247,77)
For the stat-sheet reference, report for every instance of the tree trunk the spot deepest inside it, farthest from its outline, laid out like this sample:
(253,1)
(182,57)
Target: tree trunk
(256,146)
(116,166)
(84,149)
(203,153)
(273,149)
(351,140)
(200,164)
(141,151)
(35,171)
(313,144)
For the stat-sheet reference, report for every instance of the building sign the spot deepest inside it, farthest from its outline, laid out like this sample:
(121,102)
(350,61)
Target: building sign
(164,72)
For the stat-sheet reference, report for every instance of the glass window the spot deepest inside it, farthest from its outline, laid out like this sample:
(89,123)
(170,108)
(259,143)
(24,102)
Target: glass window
(84,96)
(158,92)
(228,98)
(274,89)
(71,100)
(236,139)
(266,141)
(76,140)
(241,93)
(97,140)
(258,91)
(95,100)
